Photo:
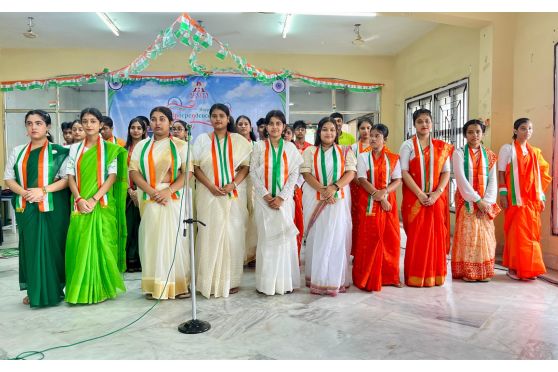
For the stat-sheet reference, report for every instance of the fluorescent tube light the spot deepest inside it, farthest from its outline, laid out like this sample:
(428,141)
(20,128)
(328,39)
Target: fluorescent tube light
(287,25)
(110,24)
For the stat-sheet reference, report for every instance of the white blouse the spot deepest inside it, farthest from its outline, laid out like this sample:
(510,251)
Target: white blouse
(407,153)
(505,155)
(9,173)
(465,188)
(257,169)
(363,168)
(71,169)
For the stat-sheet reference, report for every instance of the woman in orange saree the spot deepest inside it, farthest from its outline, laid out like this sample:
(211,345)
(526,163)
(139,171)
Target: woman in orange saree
(523,175)
(376,257)
(425,168)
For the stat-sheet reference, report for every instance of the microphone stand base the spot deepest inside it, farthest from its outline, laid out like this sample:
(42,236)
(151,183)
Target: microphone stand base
(194,326)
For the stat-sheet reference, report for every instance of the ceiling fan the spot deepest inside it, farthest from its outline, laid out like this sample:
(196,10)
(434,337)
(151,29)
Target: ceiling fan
(29,33)
(359,40)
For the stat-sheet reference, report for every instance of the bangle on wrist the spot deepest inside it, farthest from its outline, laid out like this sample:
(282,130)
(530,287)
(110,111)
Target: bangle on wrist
(170,189)
(78,199)
(336,186)
(93,197)
(44,190)
(374,193)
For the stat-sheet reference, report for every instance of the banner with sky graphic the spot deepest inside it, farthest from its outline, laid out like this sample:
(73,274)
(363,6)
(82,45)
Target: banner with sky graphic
(190,100)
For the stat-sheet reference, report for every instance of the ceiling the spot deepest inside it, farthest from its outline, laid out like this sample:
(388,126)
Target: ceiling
(244,32)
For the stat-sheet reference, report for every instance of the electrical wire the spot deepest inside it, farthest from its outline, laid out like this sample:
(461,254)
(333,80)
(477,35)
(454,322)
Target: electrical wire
(41,353)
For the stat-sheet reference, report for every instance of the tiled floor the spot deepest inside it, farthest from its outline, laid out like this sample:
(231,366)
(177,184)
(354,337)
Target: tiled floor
(503,319)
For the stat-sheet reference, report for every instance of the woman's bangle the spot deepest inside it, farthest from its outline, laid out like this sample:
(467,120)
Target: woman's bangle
(78,199)
(374,192)
(503,191)
(235,185)
(170,189)
(44,190)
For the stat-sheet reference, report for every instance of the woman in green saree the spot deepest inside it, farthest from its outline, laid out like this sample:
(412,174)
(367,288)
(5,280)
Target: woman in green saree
(96,243)
(35,172)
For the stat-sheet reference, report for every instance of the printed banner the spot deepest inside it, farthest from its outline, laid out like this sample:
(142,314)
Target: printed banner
(190,101)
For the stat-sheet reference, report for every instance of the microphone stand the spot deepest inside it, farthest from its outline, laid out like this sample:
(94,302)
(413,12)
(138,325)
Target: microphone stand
(194,325)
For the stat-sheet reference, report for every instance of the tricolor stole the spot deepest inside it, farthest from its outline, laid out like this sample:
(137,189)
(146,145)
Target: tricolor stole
(371,168)
(113,140)
(426,172)
(101,167)
(482,172)
(44,178)
(515,173)
(279,173)
(321,171)
(147,166)
(359,149)
(223,162)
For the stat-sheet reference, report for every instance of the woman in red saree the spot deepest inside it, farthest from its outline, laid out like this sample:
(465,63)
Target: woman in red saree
(523,175)
(425,167)
(376,256)
(358,195)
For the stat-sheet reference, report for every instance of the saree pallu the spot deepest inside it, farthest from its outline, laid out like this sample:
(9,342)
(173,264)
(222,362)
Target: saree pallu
(96,243)
(42,238)
(427,228)
(522,224)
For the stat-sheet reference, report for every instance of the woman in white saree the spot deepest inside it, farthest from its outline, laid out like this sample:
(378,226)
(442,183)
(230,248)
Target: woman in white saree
(274,172)
(158,167)
(327,169)
(221,161)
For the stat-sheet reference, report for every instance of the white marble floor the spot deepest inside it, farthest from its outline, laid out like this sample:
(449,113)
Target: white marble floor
(503,319)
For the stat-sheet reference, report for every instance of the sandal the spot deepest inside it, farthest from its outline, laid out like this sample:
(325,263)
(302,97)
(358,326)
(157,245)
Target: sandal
(233,290)
(26,300)
(149,296)
(183,295)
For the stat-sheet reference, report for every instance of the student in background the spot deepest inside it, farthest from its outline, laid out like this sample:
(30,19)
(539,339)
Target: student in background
(106,132)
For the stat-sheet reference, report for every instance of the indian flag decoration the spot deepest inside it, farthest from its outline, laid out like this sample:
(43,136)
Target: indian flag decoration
(45,176)
(482,174)
(101,167)
(515,178)
(371,167)
(426,171)
(320,169)
(147,166)
(223,162)
(186,31)
(278,173)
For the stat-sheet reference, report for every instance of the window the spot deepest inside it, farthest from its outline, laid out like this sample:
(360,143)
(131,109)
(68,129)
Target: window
(63,104)
(449,106)
(312,103)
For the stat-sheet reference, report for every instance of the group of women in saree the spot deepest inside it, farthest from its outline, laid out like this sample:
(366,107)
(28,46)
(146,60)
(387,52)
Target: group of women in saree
(88,212)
